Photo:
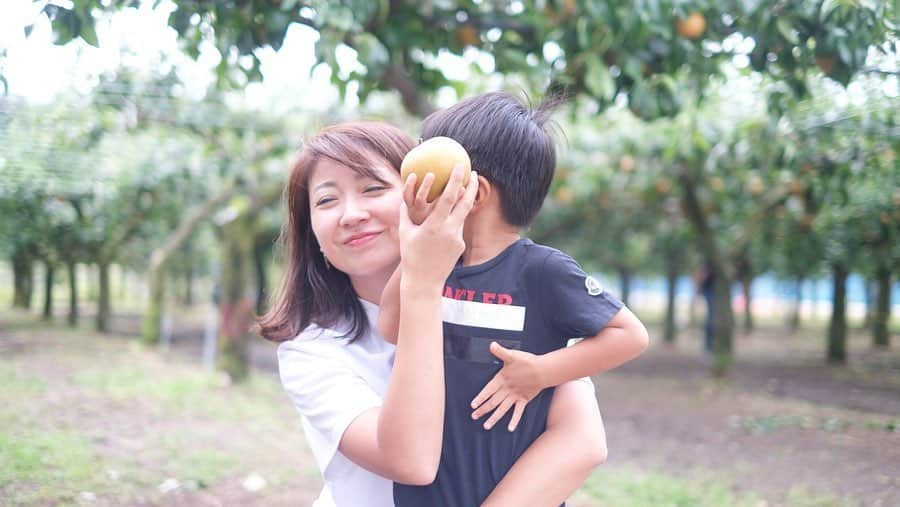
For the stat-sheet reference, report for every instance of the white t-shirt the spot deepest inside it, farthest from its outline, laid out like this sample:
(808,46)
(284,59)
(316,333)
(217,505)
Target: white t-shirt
(331,382)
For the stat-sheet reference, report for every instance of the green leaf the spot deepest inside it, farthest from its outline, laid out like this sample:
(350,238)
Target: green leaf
(66,24)
(827,7)
(844,52)
(787,31)
(372,53)
(581,29)
(89,34)
(634,67)
(598,80)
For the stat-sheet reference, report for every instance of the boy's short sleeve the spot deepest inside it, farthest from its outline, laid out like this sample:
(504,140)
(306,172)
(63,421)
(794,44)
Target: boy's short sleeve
(326,391)
(574,302)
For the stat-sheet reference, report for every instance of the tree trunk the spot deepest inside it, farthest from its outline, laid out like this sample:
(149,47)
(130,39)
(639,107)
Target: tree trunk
(92,288)
(722,325)
(747,285)
(880,336)
(837,329)
(670,329)
(123,283)
(160,256)
(237,302)
(48,290)
(150,327)
(869,287)
(23,272)
(73,293)
(814,296)
(189,286)
(103,303)
(625,280)
(798,301)
(262,286)
(692,307)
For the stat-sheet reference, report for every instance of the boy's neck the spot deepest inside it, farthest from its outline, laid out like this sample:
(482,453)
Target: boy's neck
(485,239)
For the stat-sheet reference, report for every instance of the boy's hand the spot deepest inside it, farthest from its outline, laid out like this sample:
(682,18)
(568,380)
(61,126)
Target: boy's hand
(417,202)
(517,383)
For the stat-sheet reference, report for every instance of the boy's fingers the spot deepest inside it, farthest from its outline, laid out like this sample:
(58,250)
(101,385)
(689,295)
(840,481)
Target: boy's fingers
(492,403)
(518,410)
(502,353)
(499,413)
(486,392)
(445,203)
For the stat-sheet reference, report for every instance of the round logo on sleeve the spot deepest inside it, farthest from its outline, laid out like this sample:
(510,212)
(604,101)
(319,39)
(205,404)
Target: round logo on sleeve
(593,286)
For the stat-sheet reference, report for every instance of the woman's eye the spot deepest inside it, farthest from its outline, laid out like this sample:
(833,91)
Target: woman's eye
(375,188)
(324,200)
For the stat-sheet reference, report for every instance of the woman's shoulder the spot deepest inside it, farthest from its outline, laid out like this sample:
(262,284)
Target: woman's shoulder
(313,338)
(332,340)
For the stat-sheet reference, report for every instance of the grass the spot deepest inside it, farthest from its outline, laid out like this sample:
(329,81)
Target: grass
(128,382)
(36,466)
(89,418)
(13,381)
(637,488)
(804,497)
(629,487)
(84,416)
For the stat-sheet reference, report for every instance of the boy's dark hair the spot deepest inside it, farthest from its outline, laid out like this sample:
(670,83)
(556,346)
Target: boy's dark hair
(509,144)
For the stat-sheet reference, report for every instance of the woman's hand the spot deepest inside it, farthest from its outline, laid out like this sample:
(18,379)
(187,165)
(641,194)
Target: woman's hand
(517,383)
(417,201)
(429,251)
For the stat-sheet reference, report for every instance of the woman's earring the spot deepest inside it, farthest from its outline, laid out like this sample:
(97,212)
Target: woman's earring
(327,264)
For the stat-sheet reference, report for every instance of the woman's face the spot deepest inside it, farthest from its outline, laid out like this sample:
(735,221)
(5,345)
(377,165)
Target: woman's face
(355,219)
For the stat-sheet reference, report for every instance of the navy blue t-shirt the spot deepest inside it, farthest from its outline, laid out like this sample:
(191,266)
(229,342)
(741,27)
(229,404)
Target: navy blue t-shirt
(529,297)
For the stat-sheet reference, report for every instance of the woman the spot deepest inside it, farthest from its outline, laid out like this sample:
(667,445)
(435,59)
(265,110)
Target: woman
(371,415)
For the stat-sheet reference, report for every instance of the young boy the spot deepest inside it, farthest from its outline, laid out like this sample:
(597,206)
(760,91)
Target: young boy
(509,299)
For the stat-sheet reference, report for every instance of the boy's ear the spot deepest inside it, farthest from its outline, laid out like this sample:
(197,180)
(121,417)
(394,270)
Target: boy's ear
(485,192)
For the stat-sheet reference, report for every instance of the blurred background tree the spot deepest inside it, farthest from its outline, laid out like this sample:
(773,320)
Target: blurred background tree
(744,137)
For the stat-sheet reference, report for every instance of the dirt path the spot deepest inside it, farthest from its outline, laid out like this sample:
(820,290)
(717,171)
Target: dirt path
(783,425)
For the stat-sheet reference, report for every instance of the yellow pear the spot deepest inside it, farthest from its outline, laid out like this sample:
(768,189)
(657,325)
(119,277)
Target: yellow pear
(437,155)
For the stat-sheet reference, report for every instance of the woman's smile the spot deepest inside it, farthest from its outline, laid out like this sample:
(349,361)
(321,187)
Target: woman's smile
(362,238)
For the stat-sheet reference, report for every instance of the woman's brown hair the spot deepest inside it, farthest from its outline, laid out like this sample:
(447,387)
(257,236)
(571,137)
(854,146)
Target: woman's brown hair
(311,293)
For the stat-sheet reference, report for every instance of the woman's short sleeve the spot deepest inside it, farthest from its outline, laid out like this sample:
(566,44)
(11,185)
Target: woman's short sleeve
(326,391)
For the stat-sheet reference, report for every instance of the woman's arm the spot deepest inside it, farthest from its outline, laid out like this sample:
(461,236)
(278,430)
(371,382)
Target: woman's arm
(560,460)
(402,439)
(389,309)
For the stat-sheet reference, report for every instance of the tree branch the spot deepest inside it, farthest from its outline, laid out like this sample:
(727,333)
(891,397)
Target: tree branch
(755,221)
(413,100)
(199,214)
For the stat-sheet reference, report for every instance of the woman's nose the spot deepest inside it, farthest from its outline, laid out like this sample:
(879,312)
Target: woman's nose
(354,213)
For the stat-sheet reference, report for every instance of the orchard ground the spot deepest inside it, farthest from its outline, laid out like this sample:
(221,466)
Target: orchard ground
(102,420)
